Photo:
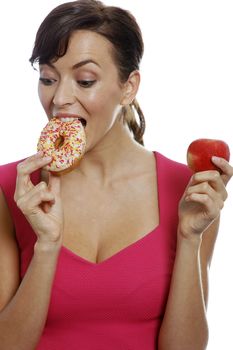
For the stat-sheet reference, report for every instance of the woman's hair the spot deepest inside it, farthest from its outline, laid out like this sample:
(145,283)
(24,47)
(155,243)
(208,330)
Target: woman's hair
(114,23)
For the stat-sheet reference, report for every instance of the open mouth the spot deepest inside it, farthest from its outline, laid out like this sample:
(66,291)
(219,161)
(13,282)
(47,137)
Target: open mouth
(69,119)
(83,121)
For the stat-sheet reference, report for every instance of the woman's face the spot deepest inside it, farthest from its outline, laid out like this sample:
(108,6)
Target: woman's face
(83,83)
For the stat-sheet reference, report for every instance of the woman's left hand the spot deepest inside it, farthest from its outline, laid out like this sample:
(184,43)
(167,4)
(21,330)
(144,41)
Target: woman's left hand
(203,199)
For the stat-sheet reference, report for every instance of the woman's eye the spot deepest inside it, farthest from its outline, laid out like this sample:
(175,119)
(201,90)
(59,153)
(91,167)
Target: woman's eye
(46,81)
(86,83)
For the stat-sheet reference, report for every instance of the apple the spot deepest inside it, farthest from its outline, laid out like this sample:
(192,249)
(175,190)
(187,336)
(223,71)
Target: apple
(200,151)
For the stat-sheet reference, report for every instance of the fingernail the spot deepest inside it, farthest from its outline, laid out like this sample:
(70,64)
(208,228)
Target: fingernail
(216,159)
(39,154)
(47,158)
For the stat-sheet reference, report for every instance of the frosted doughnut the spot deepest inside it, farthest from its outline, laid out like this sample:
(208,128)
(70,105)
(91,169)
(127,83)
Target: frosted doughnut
(65,142)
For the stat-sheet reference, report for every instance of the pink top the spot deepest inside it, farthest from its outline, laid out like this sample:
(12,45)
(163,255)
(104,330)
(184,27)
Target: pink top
(119,303)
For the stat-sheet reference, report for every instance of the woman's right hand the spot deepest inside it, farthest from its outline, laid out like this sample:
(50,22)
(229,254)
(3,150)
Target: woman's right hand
(41,204)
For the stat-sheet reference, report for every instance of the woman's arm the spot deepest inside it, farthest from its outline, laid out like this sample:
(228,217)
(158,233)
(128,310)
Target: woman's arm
(22,319)
(24,306)
(9,255)
(185,324)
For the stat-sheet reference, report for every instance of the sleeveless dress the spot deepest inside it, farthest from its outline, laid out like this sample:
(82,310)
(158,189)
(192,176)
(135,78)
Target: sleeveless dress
(117,304)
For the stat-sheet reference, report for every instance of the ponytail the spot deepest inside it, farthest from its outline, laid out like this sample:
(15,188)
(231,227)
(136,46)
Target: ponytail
(137,129)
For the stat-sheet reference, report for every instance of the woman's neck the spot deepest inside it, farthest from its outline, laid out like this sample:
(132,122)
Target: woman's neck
(108,159)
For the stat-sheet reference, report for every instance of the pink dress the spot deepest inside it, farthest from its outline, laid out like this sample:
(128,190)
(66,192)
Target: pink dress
(119,303)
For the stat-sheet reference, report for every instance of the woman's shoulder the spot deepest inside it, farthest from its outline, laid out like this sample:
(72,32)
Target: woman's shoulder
(171,165)
(9,170)
(9,166)
(174,173)
(8,173)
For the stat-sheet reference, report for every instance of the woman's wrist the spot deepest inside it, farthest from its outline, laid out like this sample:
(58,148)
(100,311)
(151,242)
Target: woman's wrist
(47,247)
(192,240)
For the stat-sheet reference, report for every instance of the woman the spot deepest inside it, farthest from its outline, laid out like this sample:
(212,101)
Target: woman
(115,254)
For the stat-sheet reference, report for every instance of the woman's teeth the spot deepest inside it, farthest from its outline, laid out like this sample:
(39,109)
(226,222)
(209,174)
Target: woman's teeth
(64,120)
(83,121)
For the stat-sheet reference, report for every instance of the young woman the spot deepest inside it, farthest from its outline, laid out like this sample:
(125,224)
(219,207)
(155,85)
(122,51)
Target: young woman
(115,254)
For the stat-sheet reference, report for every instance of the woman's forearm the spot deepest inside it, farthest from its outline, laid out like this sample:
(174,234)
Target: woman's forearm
(23,319)
(184,326)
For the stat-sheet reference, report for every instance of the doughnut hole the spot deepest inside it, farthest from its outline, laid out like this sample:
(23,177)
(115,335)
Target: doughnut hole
(59,142)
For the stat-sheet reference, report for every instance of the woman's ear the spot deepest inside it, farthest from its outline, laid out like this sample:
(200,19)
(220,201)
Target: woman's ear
(130,88)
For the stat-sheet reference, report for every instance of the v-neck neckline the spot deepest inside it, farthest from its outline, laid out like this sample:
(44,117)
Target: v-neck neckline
(134,244)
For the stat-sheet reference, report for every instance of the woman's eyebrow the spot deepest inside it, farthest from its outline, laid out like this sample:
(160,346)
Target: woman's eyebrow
(82,63)
(75,66)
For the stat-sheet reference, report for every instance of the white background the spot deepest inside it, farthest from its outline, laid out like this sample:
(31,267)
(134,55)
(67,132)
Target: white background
(186,93)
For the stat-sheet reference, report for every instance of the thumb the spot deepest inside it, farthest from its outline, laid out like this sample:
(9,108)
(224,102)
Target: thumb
(226,168)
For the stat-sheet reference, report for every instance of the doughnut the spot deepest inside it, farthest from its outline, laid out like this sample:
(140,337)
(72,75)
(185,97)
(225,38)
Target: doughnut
(65,142)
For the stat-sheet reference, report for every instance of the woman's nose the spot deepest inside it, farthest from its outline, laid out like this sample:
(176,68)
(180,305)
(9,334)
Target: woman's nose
(64,94)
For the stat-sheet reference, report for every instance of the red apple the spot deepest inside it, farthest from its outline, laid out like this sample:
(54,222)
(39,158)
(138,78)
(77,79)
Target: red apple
(200,151)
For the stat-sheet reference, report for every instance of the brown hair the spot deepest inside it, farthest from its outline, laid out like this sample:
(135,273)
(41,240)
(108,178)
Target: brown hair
(116,24)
